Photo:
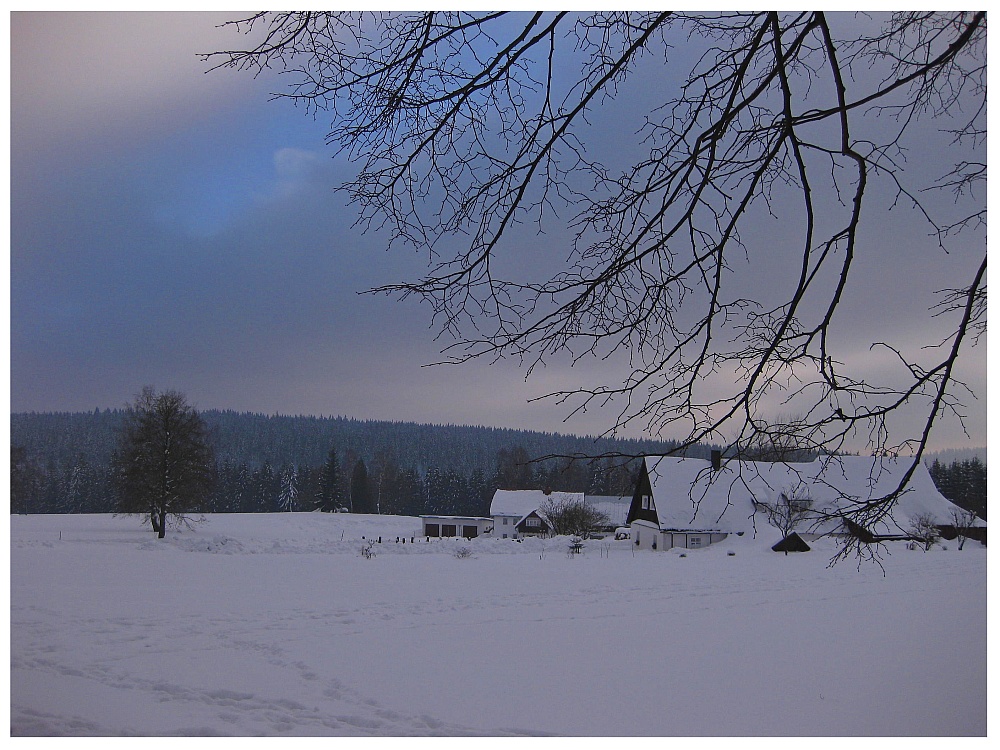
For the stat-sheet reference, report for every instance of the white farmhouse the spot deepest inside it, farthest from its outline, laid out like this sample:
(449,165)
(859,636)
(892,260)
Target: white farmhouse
(520,513)
(692,503)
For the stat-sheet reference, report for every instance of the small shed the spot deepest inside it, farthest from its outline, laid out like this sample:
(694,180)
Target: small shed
(791,543)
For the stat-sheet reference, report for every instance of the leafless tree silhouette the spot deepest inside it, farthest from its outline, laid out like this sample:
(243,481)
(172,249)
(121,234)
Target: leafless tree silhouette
(963,520)
(467,126)
(791,508)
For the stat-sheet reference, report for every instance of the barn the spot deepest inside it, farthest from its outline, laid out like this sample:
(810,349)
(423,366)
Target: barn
(693,503)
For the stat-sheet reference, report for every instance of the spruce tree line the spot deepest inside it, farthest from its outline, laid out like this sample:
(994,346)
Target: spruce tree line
(962,482)
(55,440)
(61,463)
(344,482)
(64,463)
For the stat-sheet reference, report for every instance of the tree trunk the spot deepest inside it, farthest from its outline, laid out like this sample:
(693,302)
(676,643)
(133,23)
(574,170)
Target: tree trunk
(159,521)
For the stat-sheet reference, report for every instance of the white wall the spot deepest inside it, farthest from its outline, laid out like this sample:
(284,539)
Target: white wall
(499,529)
(646,533)
(685,540)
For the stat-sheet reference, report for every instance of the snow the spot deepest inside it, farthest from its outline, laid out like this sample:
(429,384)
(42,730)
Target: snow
(275,625)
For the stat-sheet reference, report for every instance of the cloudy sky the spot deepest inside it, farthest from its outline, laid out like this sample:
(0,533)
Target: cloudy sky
(178,229)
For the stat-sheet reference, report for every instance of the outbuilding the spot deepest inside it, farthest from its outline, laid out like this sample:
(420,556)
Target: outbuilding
(791,543)
(456,526)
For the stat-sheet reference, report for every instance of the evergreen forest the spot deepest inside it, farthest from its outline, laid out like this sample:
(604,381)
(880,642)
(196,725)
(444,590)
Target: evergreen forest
(62,463)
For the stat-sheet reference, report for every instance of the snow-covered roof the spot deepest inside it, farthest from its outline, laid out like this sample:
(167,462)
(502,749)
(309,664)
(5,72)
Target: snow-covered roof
(455,518)
(521,502)
(613,506)
(538,512)
(688,494)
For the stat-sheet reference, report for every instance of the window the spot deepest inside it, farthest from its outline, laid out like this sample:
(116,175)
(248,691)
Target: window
(505,521)
(533,522)
(504,536)
(694,541)
(431,529)
(647,502)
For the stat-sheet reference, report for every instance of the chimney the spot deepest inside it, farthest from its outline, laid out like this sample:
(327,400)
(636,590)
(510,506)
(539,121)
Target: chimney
(716,460)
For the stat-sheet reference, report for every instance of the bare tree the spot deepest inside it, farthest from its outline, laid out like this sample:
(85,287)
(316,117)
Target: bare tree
(924,528)
(573,517)
(785,440)
(467,126)
(792,507)
(963,520)
(163,464)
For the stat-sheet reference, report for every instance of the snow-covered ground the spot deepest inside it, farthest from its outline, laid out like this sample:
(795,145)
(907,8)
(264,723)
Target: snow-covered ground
(276,625)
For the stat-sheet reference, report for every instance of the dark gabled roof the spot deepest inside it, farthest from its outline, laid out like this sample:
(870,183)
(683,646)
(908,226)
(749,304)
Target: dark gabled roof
(537,513)
(791,543)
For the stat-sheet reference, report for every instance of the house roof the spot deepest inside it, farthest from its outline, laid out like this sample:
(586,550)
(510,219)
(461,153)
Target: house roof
(536,512)
(521,502)
(614,507)
(687,493)
(791,543)
(454,518)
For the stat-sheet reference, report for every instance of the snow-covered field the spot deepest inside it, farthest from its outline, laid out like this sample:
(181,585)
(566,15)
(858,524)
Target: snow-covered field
(276,625)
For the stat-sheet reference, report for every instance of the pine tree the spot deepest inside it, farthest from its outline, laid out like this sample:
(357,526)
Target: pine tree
(411,493)
(977,487)
(962,482)
(330,496)
(360,490)
(23,480)
(289,496)
(268,488)
(514,469)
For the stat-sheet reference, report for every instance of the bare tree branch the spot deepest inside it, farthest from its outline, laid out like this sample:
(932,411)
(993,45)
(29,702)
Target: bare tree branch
(465,126)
